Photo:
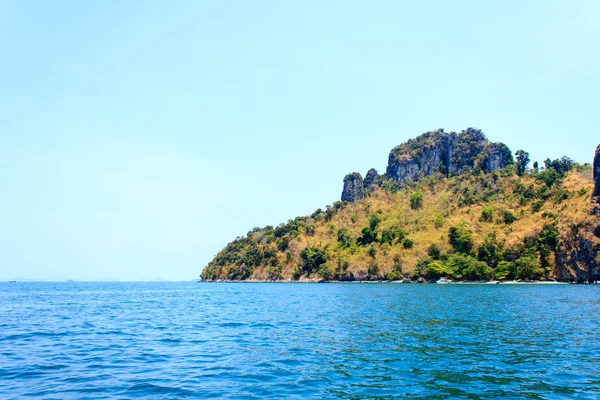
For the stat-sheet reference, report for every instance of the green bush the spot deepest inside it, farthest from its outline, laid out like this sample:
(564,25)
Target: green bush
(508,217)
(372,251)
(434,252)
(368,236)
(461,240)
(325,272)
(408,243)
(529,267)
(388,236)
(312,259)
(537,205)
(505,270)
(487,214)
(374,221)
(416,200)
(344,238)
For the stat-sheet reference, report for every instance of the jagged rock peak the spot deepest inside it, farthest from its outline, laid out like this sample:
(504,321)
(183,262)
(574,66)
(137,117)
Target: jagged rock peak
(370,178)
(597,174)
(448,153)
(353,187)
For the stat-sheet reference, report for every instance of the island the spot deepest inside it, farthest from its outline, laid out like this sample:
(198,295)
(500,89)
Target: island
(452,205)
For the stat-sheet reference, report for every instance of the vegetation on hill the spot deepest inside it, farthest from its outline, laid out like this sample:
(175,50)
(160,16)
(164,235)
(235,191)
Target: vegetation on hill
(515,223)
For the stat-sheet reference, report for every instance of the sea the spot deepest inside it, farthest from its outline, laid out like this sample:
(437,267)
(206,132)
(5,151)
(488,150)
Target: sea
(274,340)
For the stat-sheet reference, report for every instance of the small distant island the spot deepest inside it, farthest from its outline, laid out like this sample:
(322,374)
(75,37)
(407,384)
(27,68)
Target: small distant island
(449,205)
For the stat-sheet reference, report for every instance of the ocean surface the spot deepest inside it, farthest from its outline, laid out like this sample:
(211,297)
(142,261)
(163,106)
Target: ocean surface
(233,341)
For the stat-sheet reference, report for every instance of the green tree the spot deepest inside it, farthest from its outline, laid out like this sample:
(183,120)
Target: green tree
(325,272)
(529,267)
(372,251)
(522,161)
(416,200)
(344,238)
(312,258)
(505,270)
(487,214)
(374,221)
(461,239)
(508,217)
(388,236)
(368,236)
(434,252)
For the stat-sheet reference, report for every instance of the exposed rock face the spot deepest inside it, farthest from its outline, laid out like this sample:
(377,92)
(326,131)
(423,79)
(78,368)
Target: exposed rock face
(597,175)
(448,153)
(495,157)
(353,187)
(578,260)
(370,178)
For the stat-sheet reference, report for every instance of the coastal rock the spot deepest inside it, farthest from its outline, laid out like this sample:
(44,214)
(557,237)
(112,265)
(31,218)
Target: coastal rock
(353,188)
(578,260)
(370,178)
(597,175)
(446,153)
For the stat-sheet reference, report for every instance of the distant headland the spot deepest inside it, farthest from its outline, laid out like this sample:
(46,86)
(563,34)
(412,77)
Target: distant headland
(449,205)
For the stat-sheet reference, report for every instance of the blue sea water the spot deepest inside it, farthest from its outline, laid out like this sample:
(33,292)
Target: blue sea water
(189,340)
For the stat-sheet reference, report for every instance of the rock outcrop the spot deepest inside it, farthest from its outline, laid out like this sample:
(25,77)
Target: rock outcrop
(447,153)
(578,260)
(370,178)
(597,175)
(353,188)
(495,157)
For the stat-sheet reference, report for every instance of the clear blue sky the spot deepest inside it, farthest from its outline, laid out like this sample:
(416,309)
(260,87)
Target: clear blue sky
(139,137)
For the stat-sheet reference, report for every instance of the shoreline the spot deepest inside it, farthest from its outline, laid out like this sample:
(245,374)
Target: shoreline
(396,282)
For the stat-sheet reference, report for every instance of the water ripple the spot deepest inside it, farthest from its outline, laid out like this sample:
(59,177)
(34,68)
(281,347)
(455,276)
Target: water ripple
(173,341)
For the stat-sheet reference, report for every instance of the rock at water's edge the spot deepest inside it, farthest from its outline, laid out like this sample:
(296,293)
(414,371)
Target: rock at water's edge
(597,174)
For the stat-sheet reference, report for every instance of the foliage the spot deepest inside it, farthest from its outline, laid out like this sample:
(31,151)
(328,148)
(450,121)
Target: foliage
(416,200)
(508,217)
(461,239)
(487,214)
(522,158)
(374,221)
(545,213)
(434,252)
(560,165)
(325,272)
(344,238)
(368,236)
(312,258)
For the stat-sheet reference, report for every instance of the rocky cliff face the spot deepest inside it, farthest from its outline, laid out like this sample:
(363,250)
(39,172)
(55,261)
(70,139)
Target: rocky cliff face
(578,260)
(370,178)
(448,153)
(353,187)
(597,175)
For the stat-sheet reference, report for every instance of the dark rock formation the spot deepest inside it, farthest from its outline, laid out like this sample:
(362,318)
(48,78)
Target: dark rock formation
(597,175)
(447,153)
(353,187)
(578,260)
(495,156)
(370,178)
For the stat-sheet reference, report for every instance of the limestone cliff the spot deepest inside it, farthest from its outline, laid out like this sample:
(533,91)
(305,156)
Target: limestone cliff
(370,178)
(353,188)
(447,153)
(597,174)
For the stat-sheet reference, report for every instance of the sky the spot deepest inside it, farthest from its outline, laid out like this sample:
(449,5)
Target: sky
(139,137)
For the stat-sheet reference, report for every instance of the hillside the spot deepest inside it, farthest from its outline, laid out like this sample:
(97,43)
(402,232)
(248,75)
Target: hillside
(449,204)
